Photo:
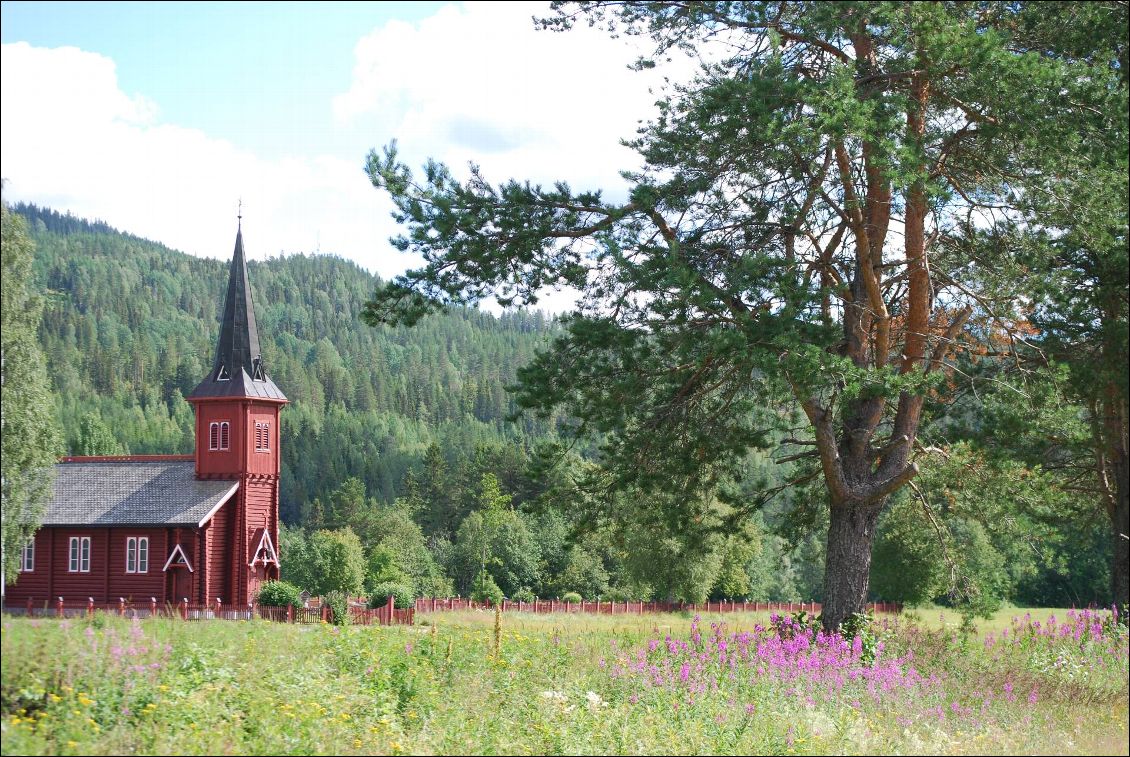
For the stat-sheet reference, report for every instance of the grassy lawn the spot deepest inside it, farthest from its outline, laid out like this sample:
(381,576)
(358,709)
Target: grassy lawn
(564,684)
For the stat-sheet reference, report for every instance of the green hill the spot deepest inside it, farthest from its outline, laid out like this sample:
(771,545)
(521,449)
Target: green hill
(129,328)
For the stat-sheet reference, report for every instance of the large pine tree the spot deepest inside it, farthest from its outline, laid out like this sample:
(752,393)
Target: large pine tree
(811,208)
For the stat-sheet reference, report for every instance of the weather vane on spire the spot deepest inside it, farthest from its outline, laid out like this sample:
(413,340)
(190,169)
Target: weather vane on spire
(239,213)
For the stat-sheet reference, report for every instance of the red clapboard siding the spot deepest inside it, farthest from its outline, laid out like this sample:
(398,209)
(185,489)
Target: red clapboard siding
(77,586)
(219,545)
(35,584)
(258,461)
(260,503)
(227,462)
(137,587)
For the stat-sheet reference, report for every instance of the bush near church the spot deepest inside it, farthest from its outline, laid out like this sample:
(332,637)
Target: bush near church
(279,594)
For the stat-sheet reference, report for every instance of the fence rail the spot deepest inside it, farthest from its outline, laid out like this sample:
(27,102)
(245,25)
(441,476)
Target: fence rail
(184,610)
(388,614)
(600,607)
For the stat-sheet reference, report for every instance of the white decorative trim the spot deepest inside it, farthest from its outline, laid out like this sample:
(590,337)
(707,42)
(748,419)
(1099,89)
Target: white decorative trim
(264,544)
(173,554)
(218,505)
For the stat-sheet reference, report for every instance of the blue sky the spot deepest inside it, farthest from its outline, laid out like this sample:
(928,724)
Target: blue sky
(159,117)
(242,71)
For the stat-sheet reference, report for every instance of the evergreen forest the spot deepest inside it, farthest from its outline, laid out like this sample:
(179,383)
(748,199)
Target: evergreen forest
(408,468)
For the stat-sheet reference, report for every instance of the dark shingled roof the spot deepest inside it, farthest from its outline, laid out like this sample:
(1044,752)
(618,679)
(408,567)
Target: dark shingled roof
(132,494)
(238,369)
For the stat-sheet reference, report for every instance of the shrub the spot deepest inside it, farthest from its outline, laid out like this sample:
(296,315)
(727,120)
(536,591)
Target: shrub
(861,625)
(486,589)
(339,605)
(402,595)
(571,598)
(524,595)
(797,624)
(279,594)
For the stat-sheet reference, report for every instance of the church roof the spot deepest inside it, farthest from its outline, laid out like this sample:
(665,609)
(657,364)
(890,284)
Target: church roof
(150,493)
(238,368)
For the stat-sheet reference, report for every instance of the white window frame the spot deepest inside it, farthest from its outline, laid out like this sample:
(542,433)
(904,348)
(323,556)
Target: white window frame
(27,557)
(137,554)
(262,436)
(219,436)
(78,554)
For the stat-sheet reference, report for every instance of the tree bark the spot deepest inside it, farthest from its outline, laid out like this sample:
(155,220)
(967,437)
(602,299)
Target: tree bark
(1112,446)
(1120,530)
(847,572)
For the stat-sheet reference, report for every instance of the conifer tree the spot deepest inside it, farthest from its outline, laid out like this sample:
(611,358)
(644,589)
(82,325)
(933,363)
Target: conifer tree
(806,225)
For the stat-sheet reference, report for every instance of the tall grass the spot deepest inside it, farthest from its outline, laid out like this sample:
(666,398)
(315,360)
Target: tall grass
(563,684)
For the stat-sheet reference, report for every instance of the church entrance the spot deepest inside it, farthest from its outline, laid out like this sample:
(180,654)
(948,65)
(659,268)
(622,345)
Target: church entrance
(180,583)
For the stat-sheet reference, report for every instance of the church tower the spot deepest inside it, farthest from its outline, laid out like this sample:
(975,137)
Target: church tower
(237,438)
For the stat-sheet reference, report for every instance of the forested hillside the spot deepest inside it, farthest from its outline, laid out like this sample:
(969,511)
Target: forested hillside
(130,328)
(398,452)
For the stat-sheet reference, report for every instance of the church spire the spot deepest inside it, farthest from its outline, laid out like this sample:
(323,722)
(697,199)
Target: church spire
(238,367)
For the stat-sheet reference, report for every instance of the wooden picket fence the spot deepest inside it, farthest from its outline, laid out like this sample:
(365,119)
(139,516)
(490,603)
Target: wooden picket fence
(386,614)
(599,607)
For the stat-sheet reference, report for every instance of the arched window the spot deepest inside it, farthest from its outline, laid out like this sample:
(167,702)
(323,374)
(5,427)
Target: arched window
(218,433)
(27,563)
(262,436)
(137,554)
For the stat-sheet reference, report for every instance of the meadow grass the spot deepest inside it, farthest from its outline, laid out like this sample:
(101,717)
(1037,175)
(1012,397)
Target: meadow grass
(564,684)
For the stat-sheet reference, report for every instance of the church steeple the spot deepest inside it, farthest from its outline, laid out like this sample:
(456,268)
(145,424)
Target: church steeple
(238,439)
(238,369)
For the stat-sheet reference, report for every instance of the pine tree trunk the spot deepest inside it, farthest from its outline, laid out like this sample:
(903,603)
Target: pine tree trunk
(847,569)
(1120,527)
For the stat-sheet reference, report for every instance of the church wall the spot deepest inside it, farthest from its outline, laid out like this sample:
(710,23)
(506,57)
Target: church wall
(35,584)
(219,552)
(221,463)
(138,587)
(258,461)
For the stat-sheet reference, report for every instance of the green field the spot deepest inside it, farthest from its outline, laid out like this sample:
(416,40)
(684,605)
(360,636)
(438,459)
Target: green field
(562,684)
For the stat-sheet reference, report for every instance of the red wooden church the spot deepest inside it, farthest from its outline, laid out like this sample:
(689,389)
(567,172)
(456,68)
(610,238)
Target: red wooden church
(201,527)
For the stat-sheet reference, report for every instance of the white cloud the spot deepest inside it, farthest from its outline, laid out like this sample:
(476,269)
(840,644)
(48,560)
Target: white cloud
(476,83)
(72,140)
(479,83)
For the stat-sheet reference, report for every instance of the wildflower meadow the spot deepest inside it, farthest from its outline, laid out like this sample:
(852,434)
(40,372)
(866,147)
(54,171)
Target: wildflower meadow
(745,683)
